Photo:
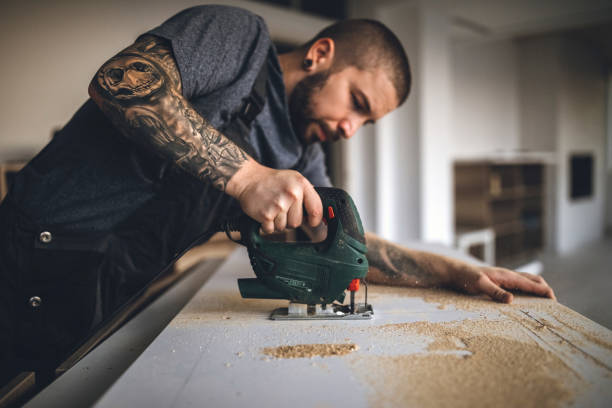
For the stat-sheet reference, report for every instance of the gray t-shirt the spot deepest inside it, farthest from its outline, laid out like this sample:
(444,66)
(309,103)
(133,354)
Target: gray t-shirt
(90,177)
(219,51)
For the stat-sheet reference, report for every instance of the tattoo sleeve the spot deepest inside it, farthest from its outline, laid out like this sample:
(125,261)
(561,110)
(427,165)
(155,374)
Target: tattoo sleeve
(140,90)
(392,264)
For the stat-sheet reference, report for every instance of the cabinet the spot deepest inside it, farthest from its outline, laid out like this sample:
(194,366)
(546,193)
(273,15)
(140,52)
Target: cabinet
(507,197)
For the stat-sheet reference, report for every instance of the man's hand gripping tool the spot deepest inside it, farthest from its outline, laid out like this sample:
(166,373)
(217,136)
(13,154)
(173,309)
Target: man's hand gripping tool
(313,276)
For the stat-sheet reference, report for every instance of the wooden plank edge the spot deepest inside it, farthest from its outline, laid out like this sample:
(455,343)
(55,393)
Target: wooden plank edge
(16,389)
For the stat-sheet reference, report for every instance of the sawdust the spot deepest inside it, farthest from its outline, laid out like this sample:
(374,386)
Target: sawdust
(310,350)
(442,297)
(225,307)
(564,318)
(597,340)
(468,363)
(446,298)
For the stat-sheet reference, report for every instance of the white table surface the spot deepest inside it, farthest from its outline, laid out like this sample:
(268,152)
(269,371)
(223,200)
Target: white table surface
(211,353)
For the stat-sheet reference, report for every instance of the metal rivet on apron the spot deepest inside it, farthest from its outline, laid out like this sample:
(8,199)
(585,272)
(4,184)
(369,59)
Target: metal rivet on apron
(34,302)
(45,237)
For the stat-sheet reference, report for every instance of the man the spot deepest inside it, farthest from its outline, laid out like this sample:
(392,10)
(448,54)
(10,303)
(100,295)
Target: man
(197,119)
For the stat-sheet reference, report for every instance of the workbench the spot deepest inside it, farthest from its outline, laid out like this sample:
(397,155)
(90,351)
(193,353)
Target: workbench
(426,348)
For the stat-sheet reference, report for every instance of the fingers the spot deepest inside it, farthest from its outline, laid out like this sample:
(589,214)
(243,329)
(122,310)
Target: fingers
(268,226)
(313,205)
(548,291)
(295,214)
(484,285)
(277,198)
(280,222)
(522,281)
(289,209)
(532,284)
(286,209)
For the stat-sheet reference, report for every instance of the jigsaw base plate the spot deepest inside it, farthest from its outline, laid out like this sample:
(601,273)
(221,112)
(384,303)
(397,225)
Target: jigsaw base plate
(332,312)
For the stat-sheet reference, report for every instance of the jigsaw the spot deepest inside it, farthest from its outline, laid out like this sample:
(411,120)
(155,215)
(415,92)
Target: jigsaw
(313,276)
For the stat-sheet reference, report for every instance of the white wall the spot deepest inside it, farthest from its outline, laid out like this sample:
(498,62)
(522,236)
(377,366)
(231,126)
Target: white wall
(540,70)
(436,78)
(51,50)
(581,127)
(412,193)
(486,113)
(539,76)
(563,109)
(544,93)
(359,156)
(382,161)
(398,141)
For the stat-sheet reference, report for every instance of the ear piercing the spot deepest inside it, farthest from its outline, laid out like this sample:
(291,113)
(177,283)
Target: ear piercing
(307,63)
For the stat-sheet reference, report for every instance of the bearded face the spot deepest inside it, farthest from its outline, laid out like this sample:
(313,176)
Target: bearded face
(300,103)
(130,77)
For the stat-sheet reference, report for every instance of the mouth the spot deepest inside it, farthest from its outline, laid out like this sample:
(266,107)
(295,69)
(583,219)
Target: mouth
(321,133)
(325,135)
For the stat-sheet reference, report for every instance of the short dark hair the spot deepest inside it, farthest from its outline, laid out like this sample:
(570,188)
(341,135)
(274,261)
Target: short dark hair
(368,44)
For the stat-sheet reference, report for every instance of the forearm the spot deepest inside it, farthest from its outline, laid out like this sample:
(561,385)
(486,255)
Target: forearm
(392,264)
(140,91)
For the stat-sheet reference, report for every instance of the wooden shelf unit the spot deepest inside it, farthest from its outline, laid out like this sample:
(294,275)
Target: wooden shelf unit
(507,197)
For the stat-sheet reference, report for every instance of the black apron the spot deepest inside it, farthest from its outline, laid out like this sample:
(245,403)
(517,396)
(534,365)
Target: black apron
(56,287)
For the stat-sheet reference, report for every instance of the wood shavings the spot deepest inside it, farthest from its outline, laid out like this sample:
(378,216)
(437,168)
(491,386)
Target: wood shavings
(496,361)
(310,350)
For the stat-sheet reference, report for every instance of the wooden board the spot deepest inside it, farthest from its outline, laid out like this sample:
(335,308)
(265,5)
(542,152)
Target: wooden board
(423,348)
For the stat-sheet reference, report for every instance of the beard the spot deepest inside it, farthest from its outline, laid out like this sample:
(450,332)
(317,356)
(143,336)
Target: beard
(300,105)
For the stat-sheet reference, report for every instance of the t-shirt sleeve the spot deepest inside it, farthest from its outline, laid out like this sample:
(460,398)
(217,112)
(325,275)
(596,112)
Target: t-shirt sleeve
(315,170)
(213,45)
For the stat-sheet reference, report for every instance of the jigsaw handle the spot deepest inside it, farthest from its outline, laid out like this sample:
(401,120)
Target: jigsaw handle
(337,203)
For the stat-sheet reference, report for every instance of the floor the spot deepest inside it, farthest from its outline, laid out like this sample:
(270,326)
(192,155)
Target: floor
(582,280)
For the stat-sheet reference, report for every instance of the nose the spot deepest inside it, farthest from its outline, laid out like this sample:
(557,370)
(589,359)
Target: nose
(347,128)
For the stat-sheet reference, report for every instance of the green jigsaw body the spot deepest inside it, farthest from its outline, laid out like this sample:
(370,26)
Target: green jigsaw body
(307,272)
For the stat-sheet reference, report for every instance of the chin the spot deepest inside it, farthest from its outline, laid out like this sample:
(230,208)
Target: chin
(310,135)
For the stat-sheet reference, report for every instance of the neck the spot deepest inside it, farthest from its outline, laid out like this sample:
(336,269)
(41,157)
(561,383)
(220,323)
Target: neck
(291,65)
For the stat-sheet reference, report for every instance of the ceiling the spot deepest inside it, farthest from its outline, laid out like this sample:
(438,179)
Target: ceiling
(474,19)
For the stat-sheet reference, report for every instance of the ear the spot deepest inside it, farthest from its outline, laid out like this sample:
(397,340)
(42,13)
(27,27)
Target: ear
(321,53)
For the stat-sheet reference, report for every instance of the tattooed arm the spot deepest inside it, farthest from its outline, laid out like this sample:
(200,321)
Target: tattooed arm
(140,91)
(392,264)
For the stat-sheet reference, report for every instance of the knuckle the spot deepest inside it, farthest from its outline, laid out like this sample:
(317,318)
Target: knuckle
(481,279)
(294,192)
(277,204)
(267,215)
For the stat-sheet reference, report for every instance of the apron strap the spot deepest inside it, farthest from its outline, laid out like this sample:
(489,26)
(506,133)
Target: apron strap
(239,125)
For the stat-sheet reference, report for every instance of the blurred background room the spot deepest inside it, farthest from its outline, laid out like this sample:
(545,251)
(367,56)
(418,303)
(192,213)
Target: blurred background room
(503,149)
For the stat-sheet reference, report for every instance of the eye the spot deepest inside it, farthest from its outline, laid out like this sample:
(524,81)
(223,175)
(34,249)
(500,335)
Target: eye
(356,104)
(139,66)
(115,75)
